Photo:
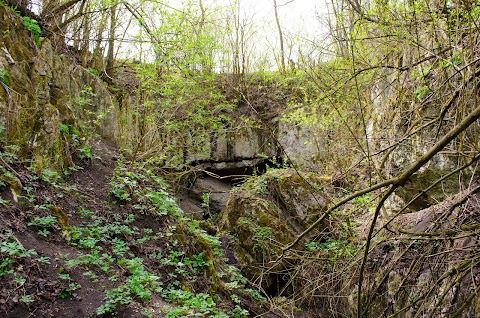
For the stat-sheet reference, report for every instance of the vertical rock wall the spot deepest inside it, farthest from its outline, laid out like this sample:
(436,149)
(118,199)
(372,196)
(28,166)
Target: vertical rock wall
(43,90)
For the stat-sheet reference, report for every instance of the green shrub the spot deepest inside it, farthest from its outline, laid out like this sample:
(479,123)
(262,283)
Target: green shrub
(33,27)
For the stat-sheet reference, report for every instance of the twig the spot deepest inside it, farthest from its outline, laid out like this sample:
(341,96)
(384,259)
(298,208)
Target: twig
(11,169)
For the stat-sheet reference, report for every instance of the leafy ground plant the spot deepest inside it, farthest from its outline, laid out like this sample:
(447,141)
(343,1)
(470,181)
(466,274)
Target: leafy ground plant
(142,262)
(4,77)
(132,252)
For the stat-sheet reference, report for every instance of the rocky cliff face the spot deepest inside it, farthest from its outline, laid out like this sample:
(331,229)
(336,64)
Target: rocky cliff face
(42,90)
(421,273)
(411,112)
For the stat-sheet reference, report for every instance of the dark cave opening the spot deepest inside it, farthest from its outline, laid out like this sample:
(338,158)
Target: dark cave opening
(236,172)
(279,285)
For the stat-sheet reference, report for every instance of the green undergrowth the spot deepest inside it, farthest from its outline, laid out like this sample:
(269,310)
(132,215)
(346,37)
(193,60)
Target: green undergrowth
(4,77)
(30,24)
(14,258)
(138,247)
(190,108)
(183,249)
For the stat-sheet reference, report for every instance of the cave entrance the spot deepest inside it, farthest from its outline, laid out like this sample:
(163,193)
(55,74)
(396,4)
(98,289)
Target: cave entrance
(236,172)
(207,193)
(279,284)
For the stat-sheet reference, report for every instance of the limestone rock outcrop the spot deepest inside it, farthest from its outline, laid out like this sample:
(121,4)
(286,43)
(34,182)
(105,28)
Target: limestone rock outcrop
(42,90)
(270,211)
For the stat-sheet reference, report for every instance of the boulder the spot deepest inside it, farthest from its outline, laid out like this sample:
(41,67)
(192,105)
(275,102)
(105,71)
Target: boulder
(212,193)
(268,212)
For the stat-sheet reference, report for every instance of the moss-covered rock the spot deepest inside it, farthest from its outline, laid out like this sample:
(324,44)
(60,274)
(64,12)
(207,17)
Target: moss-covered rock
(270,211)
(43,90)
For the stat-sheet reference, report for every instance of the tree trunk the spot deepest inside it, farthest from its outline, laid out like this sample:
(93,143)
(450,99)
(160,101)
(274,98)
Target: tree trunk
(97,59)
(111,39)
(280,36)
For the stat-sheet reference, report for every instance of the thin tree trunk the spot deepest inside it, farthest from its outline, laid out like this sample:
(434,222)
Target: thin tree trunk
(280,36)
(97,60)
(85,45)
(111,39)
(236,53)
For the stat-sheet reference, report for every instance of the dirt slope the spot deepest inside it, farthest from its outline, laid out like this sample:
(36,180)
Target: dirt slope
(38,288)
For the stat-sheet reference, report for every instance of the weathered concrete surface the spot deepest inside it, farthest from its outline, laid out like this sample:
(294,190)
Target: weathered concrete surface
(302,143)
(213,193)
